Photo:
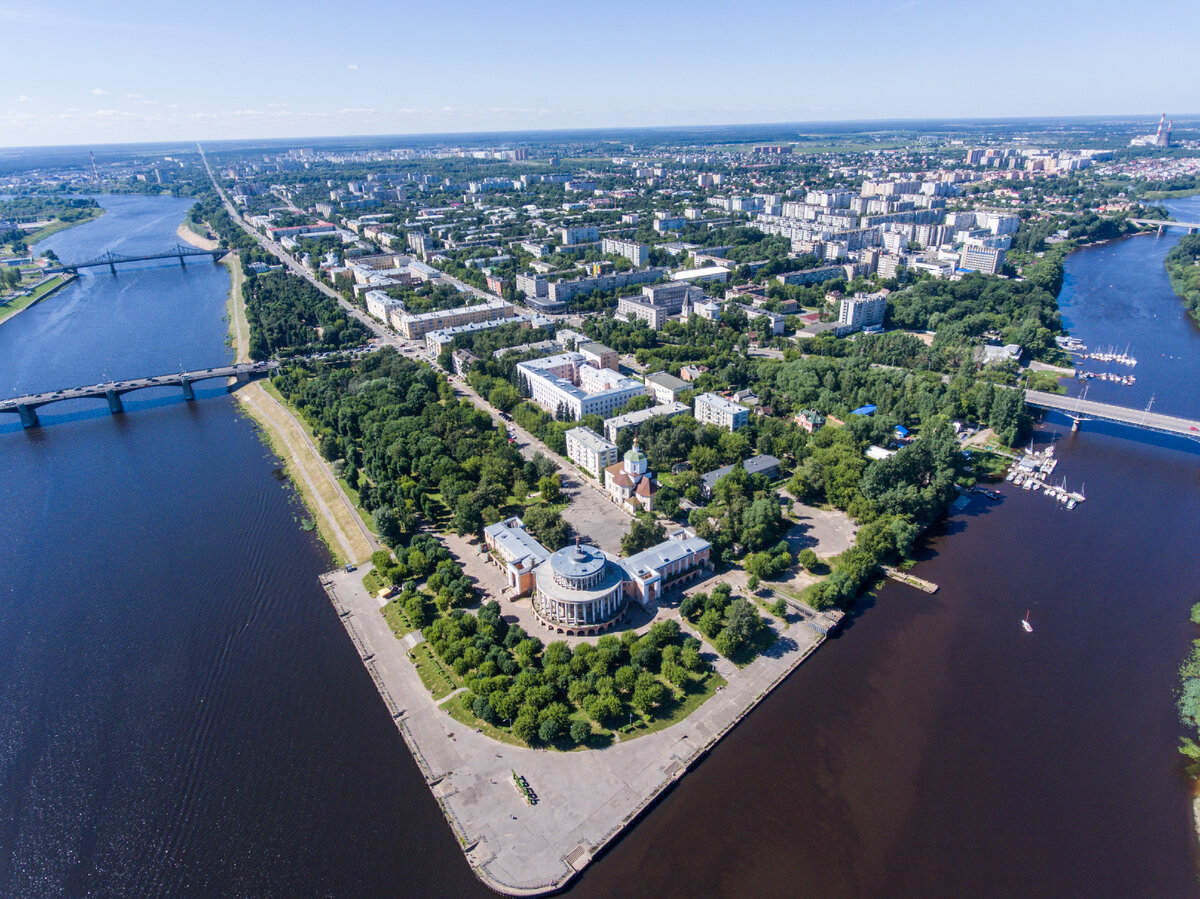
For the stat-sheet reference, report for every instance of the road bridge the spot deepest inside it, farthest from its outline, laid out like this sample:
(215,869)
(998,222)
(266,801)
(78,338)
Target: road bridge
(27,406)
(1161,225)
(112,260)
(1079,410)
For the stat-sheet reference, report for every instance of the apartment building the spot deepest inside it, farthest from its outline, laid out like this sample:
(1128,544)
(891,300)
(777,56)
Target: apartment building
(574,236)
(414,327)
(716,410)
(666,388)
(981,259)
(637,253)
(862,311)
(590,451)
(614,426)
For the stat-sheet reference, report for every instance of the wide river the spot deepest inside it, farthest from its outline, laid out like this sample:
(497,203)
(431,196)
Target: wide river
(185,716)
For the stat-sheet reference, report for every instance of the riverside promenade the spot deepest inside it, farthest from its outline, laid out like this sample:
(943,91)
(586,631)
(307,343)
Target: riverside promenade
(586,798)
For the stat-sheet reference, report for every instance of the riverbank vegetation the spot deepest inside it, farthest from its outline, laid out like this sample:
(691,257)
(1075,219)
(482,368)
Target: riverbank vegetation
(1188,702)
(59,213)
(1183,266)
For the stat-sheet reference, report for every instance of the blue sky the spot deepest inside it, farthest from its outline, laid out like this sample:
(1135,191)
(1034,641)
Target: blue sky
(78,73)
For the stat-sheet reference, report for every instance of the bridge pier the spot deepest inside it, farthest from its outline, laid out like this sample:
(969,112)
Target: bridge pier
(1161,229)
(188,393)
(112,268)
(1075,424)
(29,418)
(114,402)
(182,264)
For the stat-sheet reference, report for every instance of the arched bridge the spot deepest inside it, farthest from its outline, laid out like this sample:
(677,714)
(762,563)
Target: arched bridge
(1162,225)
(1079,410)
(27,406)
(112,260)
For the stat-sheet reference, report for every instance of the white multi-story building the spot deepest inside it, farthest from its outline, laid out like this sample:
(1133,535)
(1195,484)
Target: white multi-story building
(637,253)
(533,286)
(566,383)
(591,451)
(665,387)
(414,327)
(614,426)
(435,341)
(981,259)
(669,296)
(380,305)
(583,234)
(861,311)
(633,307)
(716,410)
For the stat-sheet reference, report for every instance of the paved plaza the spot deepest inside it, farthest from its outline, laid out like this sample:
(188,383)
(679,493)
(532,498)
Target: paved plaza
(586,798)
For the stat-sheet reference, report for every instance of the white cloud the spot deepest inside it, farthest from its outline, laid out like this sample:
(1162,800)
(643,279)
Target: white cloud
(352,67)
(24,99)
(99,91)
(356,110)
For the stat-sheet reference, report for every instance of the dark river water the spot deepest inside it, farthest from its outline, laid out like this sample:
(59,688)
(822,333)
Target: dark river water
(185,716)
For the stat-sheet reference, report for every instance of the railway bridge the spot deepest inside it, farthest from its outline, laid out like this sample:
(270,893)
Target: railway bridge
(112,260)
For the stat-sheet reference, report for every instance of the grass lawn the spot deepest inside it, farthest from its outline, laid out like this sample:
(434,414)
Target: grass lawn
(393,613)
(989,465)
(457,707)
(439,680)
(59,225)
(676,707)
(372,582)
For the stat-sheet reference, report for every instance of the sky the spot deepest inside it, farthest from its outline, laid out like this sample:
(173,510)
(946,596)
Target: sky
(87,73)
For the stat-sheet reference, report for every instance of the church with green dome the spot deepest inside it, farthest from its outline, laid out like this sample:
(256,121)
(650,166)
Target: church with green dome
(630,482)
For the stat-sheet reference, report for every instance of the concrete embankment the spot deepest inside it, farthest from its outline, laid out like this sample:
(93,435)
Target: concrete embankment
(587,798)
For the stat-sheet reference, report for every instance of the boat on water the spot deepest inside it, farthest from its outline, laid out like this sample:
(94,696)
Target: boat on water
(1025,624)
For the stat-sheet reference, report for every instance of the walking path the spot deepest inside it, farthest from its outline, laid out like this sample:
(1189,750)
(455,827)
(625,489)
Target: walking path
(586,798)
(339,522)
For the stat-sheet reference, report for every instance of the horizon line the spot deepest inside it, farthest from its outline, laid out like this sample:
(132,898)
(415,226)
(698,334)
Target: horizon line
(1185,118)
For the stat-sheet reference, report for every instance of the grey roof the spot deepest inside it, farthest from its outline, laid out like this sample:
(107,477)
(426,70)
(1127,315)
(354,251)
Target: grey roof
(516,543)
(578,561)
(669,381)
(659,557)
(753,465)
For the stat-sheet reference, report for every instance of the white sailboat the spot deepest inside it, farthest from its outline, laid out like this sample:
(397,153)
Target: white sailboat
(1025,624)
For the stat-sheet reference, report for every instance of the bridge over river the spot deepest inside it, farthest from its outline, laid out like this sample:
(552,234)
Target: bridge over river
(1162,225)
(27,406)
(112,260)
(1079,409)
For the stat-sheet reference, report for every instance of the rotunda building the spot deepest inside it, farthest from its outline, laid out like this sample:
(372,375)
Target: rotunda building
(579,590)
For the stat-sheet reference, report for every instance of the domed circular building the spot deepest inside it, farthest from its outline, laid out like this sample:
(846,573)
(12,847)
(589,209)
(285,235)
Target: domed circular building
(579,590)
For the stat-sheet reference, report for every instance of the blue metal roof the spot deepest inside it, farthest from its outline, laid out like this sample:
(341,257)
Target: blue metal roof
(868,409)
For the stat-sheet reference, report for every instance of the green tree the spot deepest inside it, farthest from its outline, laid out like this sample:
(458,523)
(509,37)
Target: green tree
(551,489)
(581,731)
(648,692)
(643,533)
